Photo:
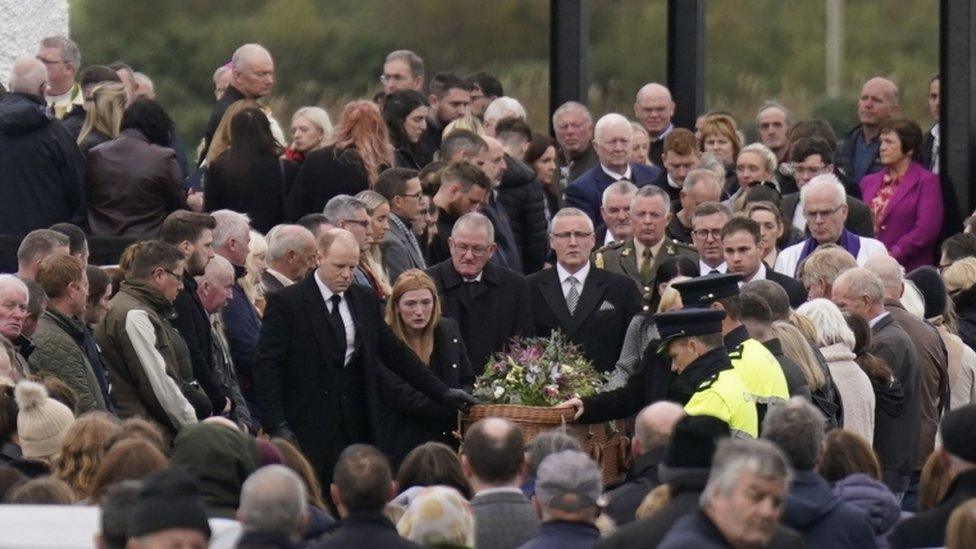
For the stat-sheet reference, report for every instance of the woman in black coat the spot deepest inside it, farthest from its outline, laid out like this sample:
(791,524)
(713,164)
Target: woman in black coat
(359,152)
(405,114)
(960,279)
(410,417)
(249,177)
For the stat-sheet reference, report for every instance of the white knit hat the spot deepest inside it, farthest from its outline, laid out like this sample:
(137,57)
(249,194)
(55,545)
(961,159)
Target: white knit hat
(41,422)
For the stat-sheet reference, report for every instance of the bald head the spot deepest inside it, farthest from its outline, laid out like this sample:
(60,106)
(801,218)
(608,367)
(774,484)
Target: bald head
(273,499)
(878,102)
(253,71)
(654,108)
(28,76)
(654,425)
(492,452)
(891,274)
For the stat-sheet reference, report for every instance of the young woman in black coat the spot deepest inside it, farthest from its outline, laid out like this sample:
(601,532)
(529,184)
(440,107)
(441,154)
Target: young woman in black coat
(360,150)
(405,114)
(249,177)
(411,419)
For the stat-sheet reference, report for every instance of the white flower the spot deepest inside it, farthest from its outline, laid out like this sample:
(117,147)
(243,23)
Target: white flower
(499,391)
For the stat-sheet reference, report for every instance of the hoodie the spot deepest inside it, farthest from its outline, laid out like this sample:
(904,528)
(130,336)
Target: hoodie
(219,458)
(40,166)
(875,499)
(823,519)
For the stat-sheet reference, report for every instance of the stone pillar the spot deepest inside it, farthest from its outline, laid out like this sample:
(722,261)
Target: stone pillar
(23,23)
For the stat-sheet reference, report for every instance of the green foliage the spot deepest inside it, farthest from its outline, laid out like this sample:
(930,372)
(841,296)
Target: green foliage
(330,51)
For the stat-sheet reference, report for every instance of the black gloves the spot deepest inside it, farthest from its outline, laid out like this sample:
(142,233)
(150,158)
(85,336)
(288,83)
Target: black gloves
(457,398)
(283,431)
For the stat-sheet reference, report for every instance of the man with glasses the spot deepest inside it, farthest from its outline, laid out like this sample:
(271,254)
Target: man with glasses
(137,343)
(810,157)
(591,306)
(400,248)
(825,209)
(62,60)
(402,70)
(640,256)
(490,303)
(707,222)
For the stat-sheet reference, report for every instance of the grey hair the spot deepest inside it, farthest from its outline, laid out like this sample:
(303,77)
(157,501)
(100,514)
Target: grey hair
(273,499)
(475,220)
(700,174)
(768,156)
(548,443)
(568,106)
(217,267)
(319,117)
(342,207)
(286,238)
(230,224)
(245,52)
(733,457)
(220,70)
(826,263)
(829,322)
(618,188)
(708,161)
(415,62)
(648,191)
(611,119)
(12,280)
(891,273)
(711,208)
(773,104)
(797,427)
(862,282)
(27,76)
(825,181)
(570,212)
(70,53)
(504,107)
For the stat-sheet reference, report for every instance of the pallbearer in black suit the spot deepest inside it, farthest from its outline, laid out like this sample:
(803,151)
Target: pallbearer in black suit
(590,305)
(490,303)
(740,244)
(323,344)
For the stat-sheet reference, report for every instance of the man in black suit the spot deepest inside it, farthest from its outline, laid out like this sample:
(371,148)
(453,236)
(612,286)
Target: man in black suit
(323,342)
(740,244)
(290,257)
(859,291)
(593,307)
(490,303)
(811,157)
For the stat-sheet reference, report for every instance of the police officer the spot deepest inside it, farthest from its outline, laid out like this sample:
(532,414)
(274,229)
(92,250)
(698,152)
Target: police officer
(758,368)
(639,256)
(706,383)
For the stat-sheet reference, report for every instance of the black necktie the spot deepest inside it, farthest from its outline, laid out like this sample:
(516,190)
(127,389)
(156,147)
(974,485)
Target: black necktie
(336,299)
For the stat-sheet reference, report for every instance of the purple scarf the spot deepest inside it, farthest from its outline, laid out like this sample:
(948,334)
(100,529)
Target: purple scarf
(848,240)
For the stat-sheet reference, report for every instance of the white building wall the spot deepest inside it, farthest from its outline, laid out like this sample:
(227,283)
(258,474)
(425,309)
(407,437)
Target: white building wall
(23,23)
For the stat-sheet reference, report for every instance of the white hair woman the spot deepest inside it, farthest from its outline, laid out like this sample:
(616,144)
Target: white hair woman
(836,342)
(311,128)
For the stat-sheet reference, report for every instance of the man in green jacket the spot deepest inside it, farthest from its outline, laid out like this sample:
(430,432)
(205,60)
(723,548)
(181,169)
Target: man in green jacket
(58,337)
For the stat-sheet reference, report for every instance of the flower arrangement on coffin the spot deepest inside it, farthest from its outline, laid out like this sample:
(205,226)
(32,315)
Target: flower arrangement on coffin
(538,371)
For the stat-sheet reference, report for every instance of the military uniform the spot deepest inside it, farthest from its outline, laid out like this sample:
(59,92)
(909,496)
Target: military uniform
(621,258)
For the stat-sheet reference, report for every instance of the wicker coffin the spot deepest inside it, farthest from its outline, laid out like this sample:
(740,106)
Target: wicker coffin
(601,441)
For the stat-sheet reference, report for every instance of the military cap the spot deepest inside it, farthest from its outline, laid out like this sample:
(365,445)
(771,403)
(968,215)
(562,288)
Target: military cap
(688,322)
(702,291)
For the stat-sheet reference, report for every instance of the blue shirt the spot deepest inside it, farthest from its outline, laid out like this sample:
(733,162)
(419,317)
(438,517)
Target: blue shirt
(864,154)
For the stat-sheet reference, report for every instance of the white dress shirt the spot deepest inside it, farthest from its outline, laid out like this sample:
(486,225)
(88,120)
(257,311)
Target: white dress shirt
(799,221)
(285,281)
(760,274)
(704,269)
(344,312)
(618,176)
(580,276)
(877,319)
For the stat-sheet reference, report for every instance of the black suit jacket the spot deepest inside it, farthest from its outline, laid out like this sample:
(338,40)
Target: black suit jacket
(364,529)
(606,305)
(794,289)
(296,374)
(193,324)
(489,314)
(859,220)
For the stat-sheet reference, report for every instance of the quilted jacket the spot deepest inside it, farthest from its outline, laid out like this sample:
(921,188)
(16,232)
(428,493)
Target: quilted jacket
(58,352)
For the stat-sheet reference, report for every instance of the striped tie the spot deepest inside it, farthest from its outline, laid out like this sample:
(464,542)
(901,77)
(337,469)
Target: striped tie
(572,298)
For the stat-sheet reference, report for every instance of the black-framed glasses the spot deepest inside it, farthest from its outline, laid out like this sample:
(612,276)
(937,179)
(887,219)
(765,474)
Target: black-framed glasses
(364,223)
(416,195)
(824,214)
(705,233)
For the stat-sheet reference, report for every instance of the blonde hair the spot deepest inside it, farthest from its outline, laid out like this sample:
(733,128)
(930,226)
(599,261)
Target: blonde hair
(82,450)
(105,115)
(961,275)
(797,348)
(319,118)
(961,530)
(251,282)
(221,138)
(467,123)
(414,279)
(670,299)
(654,501)
(373,254)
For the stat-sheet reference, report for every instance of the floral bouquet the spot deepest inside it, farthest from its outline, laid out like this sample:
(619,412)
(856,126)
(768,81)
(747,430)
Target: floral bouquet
(539,371)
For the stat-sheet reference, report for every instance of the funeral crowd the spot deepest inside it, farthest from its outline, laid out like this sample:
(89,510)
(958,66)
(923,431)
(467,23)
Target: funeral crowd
(282,324)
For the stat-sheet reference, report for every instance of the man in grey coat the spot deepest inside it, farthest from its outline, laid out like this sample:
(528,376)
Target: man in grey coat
(492,456)
(401,251)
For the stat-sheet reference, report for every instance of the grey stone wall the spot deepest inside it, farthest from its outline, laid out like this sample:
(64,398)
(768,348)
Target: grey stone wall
(22,25)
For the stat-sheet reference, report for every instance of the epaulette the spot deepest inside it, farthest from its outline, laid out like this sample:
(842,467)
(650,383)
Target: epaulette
(611,246)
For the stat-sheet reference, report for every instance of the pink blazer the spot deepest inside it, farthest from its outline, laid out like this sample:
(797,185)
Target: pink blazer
(910,223)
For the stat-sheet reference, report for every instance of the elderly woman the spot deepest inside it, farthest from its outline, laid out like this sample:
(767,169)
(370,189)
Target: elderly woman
(960,280)
(438,516)
(836,342)
(755,165)
(905,198)
(405,114)
(641,145)
(414,313)
(311,128)
(719,134)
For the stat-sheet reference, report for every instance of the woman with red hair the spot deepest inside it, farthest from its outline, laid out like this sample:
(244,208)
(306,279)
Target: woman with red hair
(358,152)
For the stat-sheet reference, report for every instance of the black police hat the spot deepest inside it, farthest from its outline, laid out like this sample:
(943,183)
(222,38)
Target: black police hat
(688,322)
(702,291)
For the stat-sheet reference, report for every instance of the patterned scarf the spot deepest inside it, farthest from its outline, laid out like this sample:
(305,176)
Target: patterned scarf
(880,201)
